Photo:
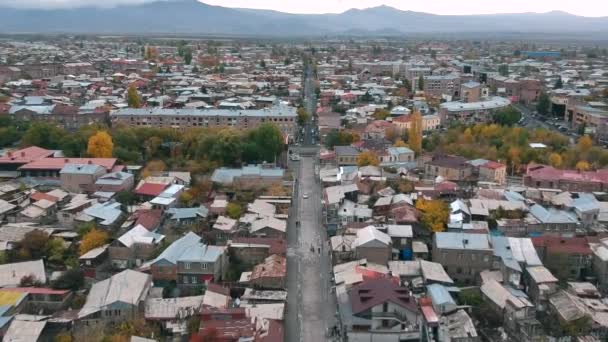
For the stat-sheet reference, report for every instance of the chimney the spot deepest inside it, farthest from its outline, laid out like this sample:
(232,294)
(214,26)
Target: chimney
(90,162)
(22,154)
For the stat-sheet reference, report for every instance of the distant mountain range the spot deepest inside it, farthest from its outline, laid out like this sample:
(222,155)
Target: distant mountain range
(193,17)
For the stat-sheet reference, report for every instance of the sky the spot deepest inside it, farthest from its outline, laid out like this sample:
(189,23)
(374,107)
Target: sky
(591,8)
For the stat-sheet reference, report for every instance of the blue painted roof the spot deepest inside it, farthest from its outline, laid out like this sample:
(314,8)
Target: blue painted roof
(439,294)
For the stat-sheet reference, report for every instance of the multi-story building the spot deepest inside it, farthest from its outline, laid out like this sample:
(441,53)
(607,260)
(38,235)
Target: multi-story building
(451,168)
(284,117)
(547,177)
(471,112)
(463,255)
(438,85)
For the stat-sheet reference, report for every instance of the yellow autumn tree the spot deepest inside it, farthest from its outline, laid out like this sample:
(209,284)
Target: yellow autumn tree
(435,214)
(555,159)
(400,143)
(133,99)
(93,239)
(100,145)
(153,166)
(366,158)
(584,144)
(583,165)
(415,133)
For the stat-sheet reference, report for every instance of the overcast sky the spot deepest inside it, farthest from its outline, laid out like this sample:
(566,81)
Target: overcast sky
(593,8)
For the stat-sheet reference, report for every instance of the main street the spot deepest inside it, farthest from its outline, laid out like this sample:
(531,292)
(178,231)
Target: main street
(311,305)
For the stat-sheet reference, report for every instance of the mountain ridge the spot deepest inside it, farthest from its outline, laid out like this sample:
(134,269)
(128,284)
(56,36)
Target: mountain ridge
(194,17)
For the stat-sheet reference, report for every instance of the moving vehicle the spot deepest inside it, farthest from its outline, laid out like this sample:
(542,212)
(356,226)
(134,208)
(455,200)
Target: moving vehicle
(305,195)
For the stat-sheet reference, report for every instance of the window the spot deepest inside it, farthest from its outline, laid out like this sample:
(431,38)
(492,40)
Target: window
(187,265)
(204,266)
(193,279)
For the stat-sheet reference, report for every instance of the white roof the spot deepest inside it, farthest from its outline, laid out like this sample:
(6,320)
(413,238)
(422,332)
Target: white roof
(400,231)
(94,253)
(11,274)
(168,308)
(24,331)
(269,222)
(499,295)
(541,274)
(127,287)
(140,235)
(369,234)
(432,271)
(164,201)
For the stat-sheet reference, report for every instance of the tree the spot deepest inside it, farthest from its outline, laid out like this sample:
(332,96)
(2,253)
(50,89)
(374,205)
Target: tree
(421,82)
(100,145)
(302,116)
(503,70)
(55,249)
(584,144)
(188,56)
(583,165)
(544,104)
(276,190)
(366,158)
(234,210)
(72,279)
(435,214)
(63,337)
(400,143)
(407,85)
(269,141)
(381,114)
(43,134)
(415,132)
(133,99)
(33,245)
(93,239)
(153,166)
(555,159)
(507,116)
(559,84)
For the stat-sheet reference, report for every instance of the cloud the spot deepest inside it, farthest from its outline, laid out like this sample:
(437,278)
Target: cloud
(68,3)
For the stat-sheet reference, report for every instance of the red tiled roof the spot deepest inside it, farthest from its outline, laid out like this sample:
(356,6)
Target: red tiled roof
(59,163)
(565,245)
(150,219)
(275,266)
(25,155)
(215,288)
(374,292)
(541,172)
(151,189)
(492,165)
(37,196)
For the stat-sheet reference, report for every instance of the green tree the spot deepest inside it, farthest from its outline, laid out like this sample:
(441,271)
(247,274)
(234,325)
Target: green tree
(559,84)
(381,114)
(507,116)
(55,250)
(72,279)
(269,141)
(421,82)
(234,210)
(503,70)
(45,135)
(188,57)
(544,104)
(302,116)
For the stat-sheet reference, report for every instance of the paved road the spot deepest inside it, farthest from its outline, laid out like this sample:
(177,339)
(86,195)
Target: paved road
(311,305)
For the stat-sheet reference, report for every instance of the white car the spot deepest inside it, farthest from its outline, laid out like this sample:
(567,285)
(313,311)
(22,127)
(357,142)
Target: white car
(305,195)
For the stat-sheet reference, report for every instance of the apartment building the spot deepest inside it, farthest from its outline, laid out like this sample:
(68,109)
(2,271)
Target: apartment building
(284,117)
(472,112)
(438,85)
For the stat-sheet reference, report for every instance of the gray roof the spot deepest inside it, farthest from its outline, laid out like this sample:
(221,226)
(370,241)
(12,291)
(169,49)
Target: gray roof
(462,241)
(187,213)
(113,178)
(11,274)
(107,212)
(189,248)
(226,175)
(127,287)
(82,169)
(274,111)
(551,215)
(346,150)
(492,103)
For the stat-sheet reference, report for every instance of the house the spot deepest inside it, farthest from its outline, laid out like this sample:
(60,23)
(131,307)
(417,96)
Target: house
(381,308)
(134,247)
(401,235)
(271,274)
(37,211)
(397,156)
(248,177)
(463,255)
(105,215)
(189,262)
(346,155)
(79,178)
(568,258)
(441,298)
(600,263)
(540,284)
(457,327)
(95,262)
(51,167)
(150,190)
(547,177)
(512,256)
(184,217)
(115,300)
(254,250)
(373,245)
(11,274)
(13,160)
(554,220)
(114,182)
(268,226)
(493,172)
(172,313)
(342,248)
(450,168)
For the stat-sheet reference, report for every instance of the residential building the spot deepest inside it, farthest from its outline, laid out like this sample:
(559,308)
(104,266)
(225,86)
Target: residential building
(568,258)
(547,177)
(450,168)
(79,178)
(471,112)
(346,155)
(284,117)
(439,85)
(463,255)
(373,245)
(114,182)
(247,177)
(270,274)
